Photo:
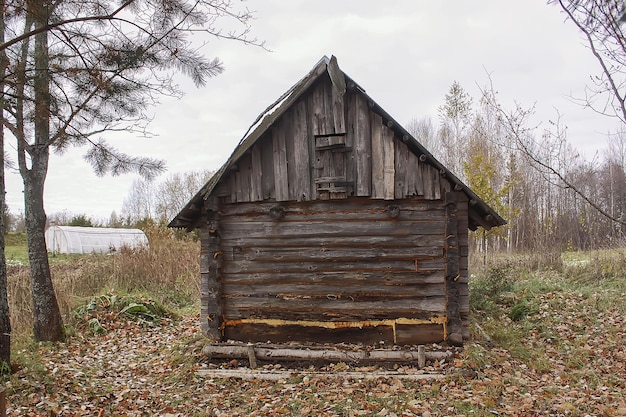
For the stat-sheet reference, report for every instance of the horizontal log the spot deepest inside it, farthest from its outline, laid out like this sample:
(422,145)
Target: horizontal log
(347,207)
(277,229)
(325,355)
(364,265)
(333,309)
(293,333)
(333,241)
(249,374)
(288,254)
(345,278)
(339,290)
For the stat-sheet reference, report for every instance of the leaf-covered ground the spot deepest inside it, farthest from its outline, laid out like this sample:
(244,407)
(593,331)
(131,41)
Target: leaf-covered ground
(541,348)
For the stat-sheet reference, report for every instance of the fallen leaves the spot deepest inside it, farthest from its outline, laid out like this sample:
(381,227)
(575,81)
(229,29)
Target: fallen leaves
(570,360)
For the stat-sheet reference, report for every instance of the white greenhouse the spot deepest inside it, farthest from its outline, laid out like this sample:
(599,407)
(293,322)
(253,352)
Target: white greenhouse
(74,239)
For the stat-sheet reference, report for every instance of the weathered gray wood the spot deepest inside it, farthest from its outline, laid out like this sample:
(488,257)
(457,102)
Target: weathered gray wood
(244,180)
(437,184)
(362,147)
(256,174)
(455,324)
(330,142)
(415,335)
(378,172)
(389,169)
(330,242)
(210,274)
(289,254)
(267,162)
(412,169)
(347,278)
(281,174)
(338,290)
(419,177)
(338,81)
(331,309)
(354,209)
(302,174)
(421,356)
(252,267)
(322,108)
(313,228)
(293,354)
(400,162)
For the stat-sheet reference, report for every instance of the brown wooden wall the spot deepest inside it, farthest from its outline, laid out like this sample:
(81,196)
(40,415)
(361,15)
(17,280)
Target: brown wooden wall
(359,261)
(329,228)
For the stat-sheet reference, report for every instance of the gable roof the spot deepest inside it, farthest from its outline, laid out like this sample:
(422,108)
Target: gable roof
(480,214)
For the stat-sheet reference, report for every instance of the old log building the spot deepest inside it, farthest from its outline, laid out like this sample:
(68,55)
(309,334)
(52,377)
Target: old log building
(331,223)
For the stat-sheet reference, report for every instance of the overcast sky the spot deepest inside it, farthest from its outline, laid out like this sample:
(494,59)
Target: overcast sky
(405,54)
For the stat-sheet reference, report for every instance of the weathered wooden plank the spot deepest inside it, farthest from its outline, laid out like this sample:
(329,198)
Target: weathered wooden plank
(237,188)
(358,209)
(210,266)
(378,173)
(430,265)
(331,309)
(330,242)
(400,162)
(243,176)
(430,175)
(347,278)
(419,177)
(281,334)
(256,174)
(455,324)
(267,163)
(388,164)
(281,175)
(411,174)
(436,181)
(362,147)
(291,254)
(419,334)
(338,82)
(302,174)
(338,110)
(316,110)
(325,228)
(322,108)
(339,290)
(253,267)
(330,142)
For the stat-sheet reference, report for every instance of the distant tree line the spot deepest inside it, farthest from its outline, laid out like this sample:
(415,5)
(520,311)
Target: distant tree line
(533,177)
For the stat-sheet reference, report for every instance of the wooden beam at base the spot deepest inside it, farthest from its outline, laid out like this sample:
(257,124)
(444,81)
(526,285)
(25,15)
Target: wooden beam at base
(324,355)
(248,374)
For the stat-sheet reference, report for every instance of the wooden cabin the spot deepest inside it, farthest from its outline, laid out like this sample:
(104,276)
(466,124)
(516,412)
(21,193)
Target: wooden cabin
(331,223)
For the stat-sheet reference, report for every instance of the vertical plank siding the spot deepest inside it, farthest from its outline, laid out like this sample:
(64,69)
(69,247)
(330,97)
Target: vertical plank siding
(373,265)
(319,151)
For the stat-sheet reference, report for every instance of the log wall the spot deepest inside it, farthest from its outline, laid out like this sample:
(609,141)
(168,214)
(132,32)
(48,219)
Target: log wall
(363,270)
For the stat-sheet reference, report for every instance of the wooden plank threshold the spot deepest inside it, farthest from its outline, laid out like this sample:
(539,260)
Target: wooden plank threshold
(285,375)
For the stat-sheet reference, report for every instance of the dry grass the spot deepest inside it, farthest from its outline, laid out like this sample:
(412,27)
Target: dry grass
(167,271)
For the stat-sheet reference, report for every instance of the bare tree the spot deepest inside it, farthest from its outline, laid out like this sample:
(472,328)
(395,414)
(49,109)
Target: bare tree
(601,21)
